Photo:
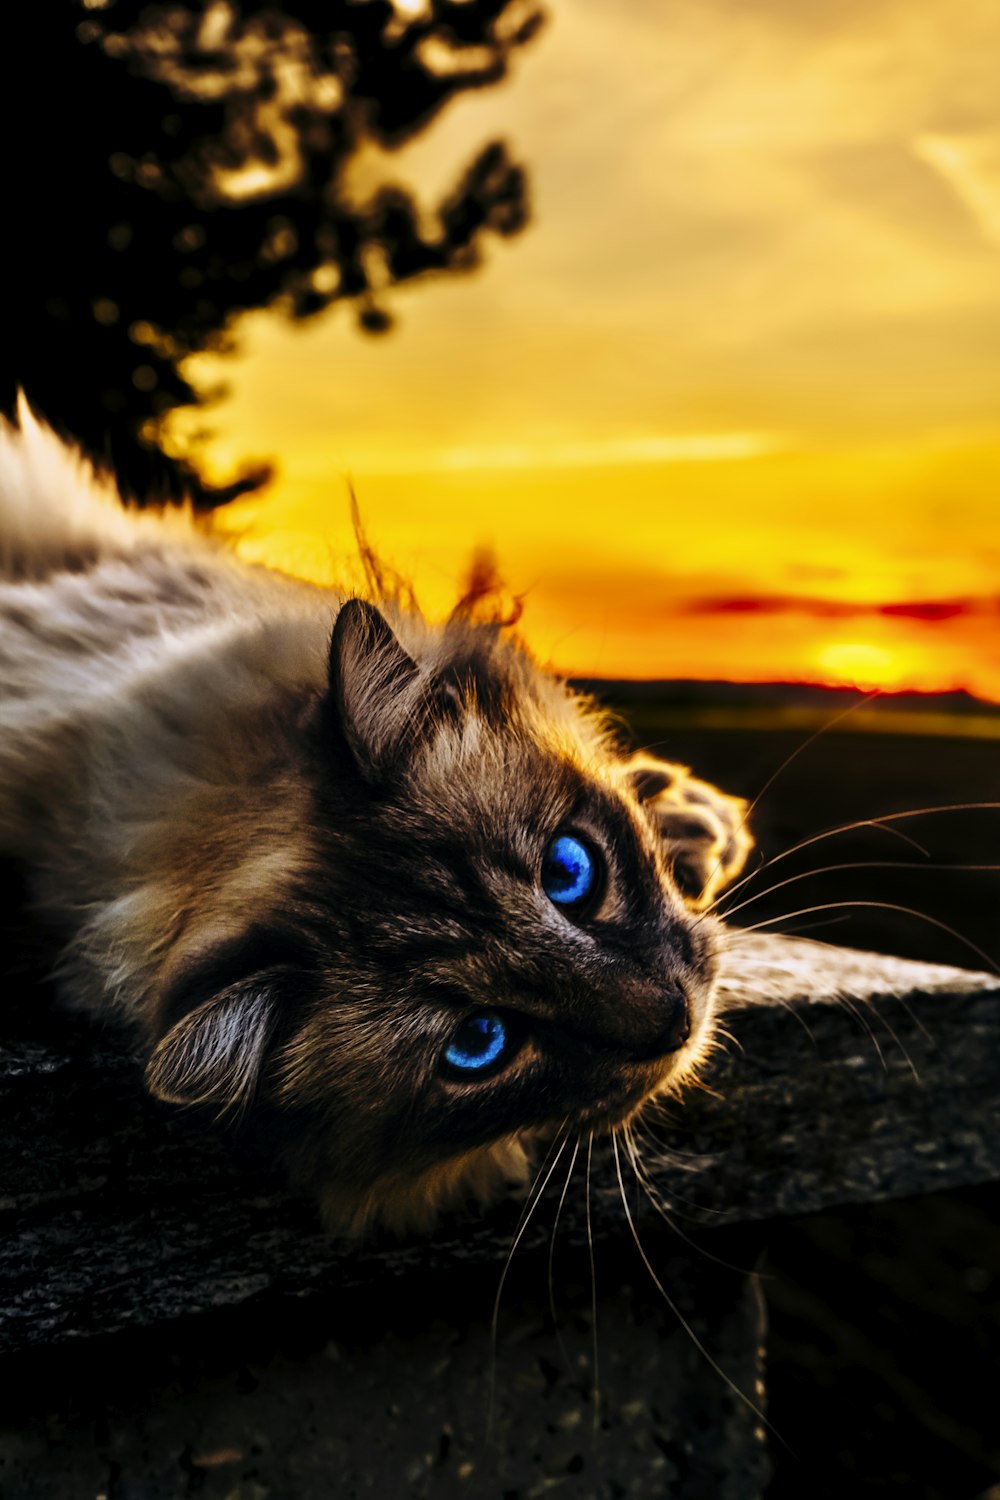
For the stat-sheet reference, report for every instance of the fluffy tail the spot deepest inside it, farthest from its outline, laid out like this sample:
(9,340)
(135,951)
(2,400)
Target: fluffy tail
(56,512)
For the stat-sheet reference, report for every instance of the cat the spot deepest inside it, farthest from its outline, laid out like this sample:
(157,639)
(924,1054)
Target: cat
(379,890)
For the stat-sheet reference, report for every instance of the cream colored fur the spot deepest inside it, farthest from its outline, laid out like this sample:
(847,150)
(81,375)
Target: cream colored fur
(128,706)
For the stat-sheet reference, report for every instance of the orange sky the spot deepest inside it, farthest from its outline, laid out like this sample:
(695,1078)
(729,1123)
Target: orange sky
(729,407)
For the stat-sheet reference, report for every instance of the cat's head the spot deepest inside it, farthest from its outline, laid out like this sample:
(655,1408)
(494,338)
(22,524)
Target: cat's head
(483,940)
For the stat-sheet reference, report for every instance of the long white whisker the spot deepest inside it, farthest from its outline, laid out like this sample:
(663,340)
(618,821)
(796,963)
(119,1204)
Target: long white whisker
(924,1030)
(811,927)
(884,823)
(534,1198)
(854,1010)
(875,824)
(639,1123)
(857,864)
(596,1373)
(552,1251)
(658,1202)
(894,1037)
(658,1104)
(907,911)
(794,754)
(685,1324)
(852,708)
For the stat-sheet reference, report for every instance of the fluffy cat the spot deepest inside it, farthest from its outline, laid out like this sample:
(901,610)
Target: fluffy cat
(377,889)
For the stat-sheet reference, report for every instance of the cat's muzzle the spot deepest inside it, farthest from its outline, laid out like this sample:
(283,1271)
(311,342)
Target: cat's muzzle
(671,1035)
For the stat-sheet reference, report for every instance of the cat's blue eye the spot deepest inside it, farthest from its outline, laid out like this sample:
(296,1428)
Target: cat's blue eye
(478,1042)
(569,871)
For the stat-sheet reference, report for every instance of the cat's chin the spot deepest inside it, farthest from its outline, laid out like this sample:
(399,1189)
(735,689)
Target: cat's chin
(402,1205)
(663,1079)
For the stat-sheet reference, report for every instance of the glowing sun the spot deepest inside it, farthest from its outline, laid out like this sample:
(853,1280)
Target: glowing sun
(861,665)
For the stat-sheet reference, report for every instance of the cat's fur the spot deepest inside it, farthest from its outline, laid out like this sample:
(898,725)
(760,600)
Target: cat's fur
(292,839)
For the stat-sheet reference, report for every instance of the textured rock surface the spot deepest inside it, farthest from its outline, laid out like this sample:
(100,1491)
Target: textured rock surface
(846,1077)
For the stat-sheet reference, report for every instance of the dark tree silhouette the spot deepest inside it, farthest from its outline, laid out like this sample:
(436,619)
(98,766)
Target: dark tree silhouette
(172,165)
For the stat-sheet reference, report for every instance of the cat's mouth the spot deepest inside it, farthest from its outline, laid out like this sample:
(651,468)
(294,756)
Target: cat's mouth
(622,1098)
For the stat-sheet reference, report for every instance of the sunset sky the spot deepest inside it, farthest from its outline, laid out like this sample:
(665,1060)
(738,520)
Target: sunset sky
(730,406)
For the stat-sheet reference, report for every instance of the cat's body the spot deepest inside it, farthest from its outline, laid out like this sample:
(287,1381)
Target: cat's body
(329,882)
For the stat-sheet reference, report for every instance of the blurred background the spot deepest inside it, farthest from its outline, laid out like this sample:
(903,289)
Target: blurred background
(681,320)
(722,396)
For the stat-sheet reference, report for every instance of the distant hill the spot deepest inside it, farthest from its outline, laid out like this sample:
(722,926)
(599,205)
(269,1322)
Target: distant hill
(771,705)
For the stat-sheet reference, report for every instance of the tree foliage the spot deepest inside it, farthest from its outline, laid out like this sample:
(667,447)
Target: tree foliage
(176,164)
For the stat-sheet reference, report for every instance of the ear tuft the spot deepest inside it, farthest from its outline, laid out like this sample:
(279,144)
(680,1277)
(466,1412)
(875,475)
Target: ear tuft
(375,687)
(213,1055)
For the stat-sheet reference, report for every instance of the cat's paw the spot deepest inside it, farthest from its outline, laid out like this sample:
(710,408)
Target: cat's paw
(704,828)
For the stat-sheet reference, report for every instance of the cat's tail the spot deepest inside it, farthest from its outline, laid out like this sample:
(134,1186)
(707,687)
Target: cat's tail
(56,511)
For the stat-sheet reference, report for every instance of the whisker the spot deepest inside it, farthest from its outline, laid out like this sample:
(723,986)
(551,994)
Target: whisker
(658,1202)
(877,825)
(816,926)
(884,823)
(853,1009)
(552,1251)
(907,911)
(828,833)
(682,1320)
(596,1372)
(686,1160)
(866,1026)
(793,755)
(857,864)
(534,1198)
(894,1037)
(796,1011)
(738,932)
(925,1031)
(852,708)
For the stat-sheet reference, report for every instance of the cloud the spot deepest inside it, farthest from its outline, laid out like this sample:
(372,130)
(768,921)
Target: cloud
(771,604)
(933,610)
(971,168)
(665,448)
(930,611)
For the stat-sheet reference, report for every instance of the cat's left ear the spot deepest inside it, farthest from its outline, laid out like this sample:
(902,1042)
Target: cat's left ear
(376,688)
(213,1056)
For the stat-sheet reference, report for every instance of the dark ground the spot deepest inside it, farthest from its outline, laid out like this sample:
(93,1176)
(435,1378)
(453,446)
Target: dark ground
(885,1320)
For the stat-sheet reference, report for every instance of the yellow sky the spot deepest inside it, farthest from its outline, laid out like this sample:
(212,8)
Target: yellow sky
(729,407)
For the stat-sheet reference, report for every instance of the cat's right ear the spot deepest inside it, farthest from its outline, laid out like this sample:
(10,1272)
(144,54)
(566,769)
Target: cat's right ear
(376,689)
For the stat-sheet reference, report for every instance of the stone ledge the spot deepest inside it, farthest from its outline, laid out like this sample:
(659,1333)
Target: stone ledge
(846,1077)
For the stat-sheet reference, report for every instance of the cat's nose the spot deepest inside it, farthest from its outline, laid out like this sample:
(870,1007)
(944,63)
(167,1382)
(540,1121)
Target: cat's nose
(672,1032)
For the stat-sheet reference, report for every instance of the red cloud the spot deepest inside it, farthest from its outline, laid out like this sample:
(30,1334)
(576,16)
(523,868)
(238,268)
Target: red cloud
(929,610)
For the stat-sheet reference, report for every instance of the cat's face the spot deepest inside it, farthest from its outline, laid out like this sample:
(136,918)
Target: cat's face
(487,940)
